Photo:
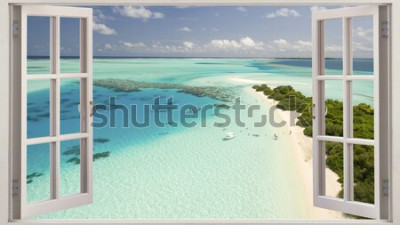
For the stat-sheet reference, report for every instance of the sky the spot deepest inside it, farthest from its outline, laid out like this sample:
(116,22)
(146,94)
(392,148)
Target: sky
(208,31)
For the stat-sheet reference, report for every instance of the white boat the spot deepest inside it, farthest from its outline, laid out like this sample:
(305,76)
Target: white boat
(229,136)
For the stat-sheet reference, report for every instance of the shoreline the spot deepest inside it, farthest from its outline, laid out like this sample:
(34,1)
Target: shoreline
(302,147)
(303,151)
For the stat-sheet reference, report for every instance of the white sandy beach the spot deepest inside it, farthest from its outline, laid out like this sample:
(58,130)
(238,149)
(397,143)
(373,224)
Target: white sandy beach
(302,148)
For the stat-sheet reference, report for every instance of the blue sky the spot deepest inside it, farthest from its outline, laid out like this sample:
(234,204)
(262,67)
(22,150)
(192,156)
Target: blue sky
(214,31)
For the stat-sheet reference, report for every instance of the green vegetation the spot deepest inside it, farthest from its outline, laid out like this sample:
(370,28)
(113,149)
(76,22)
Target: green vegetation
(264,88)
(363,127)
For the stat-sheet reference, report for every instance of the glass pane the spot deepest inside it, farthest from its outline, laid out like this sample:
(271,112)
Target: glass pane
(333,47)
(362,46)
(70,173)
(363,109)
(334,169)
(38,109)
(38,45)
(70,41)
(363,160)
(333,107)
(69,108)
(38,172)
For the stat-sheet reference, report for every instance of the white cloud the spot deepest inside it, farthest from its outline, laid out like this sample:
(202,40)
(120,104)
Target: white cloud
(185,29)
(283,12)
(304,43)
(357,46)
(103,29)
(302,48)
(248,42)
(100,17)
(333,48)
(297,48)
(225,44)
(362,33)
(168,49)
(241,9)
(133,45)
(123,47)
(283,45)
(215,29)
(188,44)
(316,8)
(138,12)
(158,15)
(243,43)
(284,48)
(108,46)
(245,47)
(98,23)
(216,14)
(128,44)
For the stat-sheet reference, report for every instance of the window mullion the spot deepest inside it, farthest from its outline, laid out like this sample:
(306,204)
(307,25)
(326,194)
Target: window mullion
(55,107)
(24,122)
(347,118)
(320,99)
(378,75)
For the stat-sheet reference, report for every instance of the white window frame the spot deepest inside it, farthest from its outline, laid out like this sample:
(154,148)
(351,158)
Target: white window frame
(21,209)
(380,16)
(6,97)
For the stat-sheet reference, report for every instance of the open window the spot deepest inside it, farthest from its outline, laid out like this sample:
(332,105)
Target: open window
(351,142)
(33,149)
(37,154)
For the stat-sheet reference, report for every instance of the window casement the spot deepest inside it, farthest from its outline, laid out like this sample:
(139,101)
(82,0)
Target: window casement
(348,202)
(21,209)
(51,143)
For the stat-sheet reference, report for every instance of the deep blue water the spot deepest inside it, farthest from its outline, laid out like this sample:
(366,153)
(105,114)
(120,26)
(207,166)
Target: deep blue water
(364,65)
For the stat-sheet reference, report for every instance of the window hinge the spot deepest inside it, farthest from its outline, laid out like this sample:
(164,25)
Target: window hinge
(313,109)
(15,29)
(385,29)
(15,188)
(385,188)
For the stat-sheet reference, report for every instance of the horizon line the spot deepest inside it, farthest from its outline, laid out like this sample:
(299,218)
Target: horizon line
(184,57)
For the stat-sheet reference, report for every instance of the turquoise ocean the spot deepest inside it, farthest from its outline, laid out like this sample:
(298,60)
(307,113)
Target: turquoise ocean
(178,172)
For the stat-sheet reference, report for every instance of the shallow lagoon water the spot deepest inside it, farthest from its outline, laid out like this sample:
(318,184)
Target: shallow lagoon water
(179,172)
